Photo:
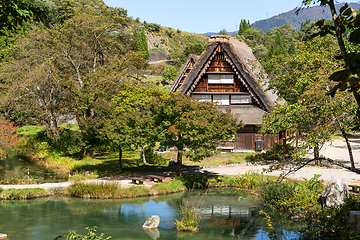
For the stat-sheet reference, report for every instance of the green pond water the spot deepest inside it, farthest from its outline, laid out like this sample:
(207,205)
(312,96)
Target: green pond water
(226,214)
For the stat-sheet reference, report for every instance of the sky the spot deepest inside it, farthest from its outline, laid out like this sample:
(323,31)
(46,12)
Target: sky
(201,16)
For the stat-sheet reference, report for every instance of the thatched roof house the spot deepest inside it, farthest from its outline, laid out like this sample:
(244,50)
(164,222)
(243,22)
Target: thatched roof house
(184,71)
(226,73)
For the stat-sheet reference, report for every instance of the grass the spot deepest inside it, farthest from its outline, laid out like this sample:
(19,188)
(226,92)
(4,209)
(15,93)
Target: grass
(218,159)
(27,193)
(175,185)
(106,190)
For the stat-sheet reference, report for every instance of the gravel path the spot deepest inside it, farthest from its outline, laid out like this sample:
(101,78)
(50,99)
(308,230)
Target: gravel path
(336,150)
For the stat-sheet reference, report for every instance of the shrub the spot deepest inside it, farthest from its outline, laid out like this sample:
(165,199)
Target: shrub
(194,181)
(188,219)
(169,187)
(105,190)
(279,152)
(249,180)
(292,197)
(26,193)
(332,223)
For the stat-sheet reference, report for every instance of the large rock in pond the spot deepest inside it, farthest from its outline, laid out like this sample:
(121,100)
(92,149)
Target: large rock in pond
(334,193)
(152,222)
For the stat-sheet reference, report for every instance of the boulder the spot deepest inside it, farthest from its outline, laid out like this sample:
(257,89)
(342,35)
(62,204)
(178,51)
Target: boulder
(334,193)
(152,222)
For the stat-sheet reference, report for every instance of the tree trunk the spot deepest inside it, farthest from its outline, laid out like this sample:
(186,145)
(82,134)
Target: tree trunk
(317,154)
(120,158)
(179,162)
(143,154)
(347,144)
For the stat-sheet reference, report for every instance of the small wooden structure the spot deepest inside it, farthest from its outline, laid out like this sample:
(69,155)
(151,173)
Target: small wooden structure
(226,74)
(155,177)
(136,180)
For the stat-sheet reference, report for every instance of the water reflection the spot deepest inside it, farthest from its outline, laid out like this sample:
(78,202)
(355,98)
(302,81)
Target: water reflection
(224,216)
(14,167)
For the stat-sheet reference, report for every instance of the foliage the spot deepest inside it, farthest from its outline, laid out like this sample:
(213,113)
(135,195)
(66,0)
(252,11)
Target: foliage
(73,235)
(169,75)
(175,185)
(188,219)
(243,26)
(194,181)
(26,193)
(152,27)
(332,223)
(249,180)
(292,197)
(105,190)
(223,32)
(141,39)
(308,114)
(8,138)
(278,152)
(188,124)
(196,49)
(347,21)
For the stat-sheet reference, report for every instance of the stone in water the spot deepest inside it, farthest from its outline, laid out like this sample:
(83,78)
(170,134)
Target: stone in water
(152,222)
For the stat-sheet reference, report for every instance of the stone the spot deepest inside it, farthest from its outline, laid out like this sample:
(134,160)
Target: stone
(355,221)
(3,236)
(334,193)
(152,222)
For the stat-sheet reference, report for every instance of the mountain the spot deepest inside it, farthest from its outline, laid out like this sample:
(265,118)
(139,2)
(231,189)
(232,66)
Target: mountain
(313,13)
(290,17)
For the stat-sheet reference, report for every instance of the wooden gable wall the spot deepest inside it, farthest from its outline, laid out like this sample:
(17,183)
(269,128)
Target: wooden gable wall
(219,65)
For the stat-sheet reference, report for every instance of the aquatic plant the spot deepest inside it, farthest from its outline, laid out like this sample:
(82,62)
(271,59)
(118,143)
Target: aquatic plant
(73,235)
(188,219)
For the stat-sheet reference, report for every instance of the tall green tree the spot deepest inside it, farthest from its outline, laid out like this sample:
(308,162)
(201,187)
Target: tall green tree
(243,26)
(301,80)
(194,128)
(142,42)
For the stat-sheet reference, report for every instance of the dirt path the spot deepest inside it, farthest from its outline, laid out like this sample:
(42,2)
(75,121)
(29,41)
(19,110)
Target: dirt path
(337,150)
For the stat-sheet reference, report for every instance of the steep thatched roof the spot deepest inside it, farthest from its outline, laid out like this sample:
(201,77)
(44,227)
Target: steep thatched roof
(239,55)
(191,58)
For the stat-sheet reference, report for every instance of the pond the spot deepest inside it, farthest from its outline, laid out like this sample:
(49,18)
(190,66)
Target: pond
(226,214)
(14,167)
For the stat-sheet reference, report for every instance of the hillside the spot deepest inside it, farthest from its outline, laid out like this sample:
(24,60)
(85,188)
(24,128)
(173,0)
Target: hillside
(313,13)
(290,17)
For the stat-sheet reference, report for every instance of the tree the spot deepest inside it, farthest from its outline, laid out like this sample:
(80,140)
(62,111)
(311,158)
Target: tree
(169,74)
(278,47)
(243,26)
(191,49)
(8,138)
(142,43)
(194,128)
(223,32)
(87,57)
(131,121)
(347,20)
(349,78)
(308,114)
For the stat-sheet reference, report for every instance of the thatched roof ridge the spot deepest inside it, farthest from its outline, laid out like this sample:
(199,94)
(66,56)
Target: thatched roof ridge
(244,63)
(191,57)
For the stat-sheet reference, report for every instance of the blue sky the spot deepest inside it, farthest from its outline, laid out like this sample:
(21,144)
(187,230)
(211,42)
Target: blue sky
(202,16)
